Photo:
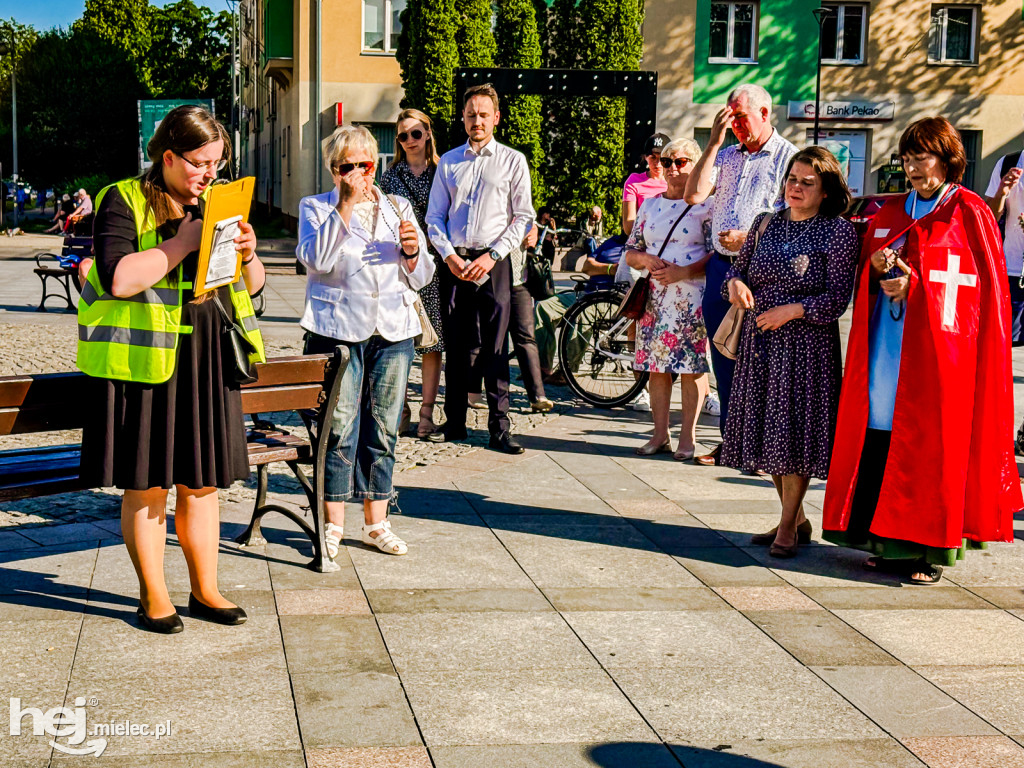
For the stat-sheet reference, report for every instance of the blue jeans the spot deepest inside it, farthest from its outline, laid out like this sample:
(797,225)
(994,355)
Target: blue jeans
(364,425)
(715,308)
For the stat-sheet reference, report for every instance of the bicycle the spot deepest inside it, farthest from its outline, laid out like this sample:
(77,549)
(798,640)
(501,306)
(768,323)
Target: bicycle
(595,351)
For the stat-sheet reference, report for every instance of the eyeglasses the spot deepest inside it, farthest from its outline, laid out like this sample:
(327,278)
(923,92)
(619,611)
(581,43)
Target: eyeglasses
(678,162)
(212,165)
(344,169)
(416,134)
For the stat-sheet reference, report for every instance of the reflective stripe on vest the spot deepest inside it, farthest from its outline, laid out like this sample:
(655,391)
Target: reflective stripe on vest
(135,338)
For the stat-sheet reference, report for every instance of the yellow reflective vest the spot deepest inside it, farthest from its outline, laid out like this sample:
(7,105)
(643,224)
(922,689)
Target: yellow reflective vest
(136,338)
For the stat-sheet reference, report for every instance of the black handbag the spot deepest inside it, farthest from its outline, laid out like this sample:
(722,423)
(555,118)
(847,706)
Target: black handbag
(634,303)
(539,280)
(241,371)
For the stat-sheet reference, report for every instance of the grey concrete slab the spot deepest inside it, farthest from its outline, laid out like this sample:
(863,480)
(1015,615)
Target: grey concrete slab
(359,709)
(1001,565)
(16,609)
(109,647)
(896,597)
(968,751)
(726,567)
(679,532)
(714,507)
(737,529)
(994,693)
(822,567)
(944,637)
(31,689)
(805,753)
(428,600)
(434,642)
(251,759)
(334,645)
(605,477)
(10,540)
(687,484)
(614,755)
(288,570)
(453,552)
(903,703)
(211,713)
(70,534)
(709,706)
(47,570)
(592,556)
(818,638)
(1002,597)
(236,569)
(38,650)
(635,599)
(676,639)
(368,757)
(478,708)
(433,502)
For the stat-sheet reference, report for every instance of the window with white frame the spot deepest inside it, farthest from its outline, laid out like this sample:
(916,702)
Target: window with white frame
(382,25)
(843,32)
(733,33)
(953,34)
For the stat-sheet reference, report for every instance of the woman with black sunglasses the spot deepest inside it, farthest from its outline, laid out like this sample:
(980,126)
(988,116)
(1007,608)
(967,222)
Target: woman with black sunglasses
(410,175)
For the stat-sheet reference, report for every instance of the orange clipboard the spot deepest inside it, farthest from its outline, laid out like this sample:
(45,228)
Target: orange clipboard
(222,202)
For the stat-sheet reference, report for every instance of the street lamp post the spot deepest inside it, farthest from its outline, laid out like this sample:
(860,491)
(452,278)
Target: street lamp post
(5,48)
(819,15)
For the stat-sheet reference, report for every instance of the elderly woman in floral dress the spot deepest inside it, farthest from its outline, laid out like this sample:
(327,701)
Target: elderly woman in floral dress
(668,241)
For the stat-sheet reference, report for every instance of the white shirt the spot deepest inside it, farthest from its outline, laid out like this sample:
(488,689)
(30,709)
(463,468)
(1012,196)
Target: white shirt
(748,183)
(1013,242)
(653,222)
(358,283)
(480,200)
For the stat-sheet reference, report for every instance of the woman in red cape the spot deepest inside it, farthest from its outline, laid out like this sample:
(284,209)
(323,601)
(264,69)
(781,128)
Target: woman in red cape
(923,465)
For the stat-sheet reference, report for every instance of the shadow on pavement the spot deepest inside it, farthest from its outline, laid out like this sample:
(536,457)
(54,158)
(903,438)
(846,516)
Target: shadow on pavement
(645,755)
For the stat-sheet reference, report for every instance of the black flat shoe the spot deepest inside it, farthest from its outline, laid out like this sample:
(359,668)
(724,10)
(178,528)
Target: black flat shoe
(230,616)
(165,625)
(505,443)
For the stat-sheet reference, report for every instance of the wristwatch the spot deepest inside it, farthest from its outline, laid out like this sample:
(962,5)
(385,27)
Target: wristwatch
(495,255)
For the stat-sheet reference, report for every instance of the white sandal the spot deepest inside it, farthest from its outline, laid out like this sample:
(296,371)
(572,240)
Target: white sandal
(387,541)
(332,537)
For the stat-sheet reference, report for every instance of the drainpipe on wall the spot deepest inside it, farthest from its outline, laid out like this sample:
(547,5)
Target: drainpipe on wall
(316,100)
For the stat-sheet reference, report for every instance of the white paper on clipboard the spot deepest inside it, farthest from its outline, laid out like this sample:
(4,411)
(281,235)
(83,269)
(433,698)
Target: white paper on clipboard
(223,254)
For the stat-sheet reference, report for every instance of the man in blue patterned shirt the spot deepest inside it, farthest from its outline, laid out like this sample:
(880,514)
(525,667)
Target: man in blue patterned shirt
(745,179)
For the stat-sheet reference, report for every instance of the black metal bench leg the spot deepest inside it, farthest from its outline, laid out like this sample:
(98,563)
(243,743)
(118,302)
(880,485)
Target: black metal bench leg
(321,563)
(253,536)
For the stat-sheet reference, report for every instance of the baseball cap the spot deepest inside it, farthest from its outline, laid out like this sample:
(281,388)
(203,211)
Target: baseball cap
(656,143)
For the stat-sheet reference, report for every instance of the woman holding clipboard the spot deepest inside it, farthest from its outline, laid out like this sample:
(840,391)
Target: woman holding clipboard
(166,409)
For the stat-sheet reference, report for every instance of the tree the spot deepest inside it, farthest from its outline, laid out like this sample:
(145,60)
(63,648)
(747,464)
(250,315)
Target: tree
(473,37)
(189,54)
(518,47)
(122,23)
(428,58)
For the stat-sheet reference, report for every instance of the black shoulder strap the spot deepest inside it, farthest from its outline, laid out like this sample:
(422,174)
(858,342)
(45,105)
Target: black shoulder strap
(669,235)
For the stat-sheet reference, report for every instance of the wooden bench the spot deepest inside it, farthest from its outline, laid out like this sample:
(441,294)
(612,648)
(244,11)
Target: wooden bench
(75,249)
(306,384)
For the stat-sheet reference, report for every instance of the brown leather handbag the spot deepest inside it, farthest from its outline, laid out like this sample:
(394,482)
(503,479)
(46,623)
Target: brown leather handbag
(727,337)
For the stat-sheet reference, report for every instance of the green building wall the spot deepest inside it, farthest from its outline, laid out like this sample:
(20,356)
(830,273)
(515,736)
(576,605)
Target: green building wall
(787,50)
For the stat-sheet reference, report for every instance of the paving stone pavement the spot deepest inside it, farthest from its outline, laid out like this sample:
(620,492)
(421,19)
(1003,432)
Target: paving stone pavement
(574,606)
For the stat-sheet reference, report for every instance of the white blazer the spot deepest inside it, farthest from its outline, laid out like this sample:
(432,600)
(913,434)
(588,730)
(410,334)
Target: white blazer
(357,282)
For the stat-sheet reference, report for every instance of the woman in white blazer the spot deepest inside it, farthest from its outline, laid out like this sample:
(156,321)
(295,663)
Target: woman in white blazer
(365,258)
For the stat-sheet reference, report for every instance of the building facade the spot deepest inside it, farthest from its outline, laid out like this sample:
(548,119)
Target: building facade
(885,63)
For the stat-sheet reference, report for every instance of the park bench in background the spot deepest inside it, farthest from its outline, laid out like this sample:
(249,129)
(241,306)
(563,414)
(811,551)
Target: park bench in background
(63,269)
(306,384)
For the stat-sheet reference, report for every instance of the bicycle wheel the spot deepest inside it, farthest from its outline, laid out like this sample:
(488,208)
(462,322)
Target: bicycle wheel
(596,353)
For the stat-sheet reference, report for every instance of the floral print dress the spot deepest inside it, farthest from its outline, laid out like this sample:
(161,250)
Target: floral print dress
(671,337)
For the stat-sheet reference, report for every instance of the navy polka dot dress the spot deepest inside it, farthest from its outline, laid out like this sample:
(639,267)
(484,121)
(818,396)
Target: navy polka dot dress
(785,390)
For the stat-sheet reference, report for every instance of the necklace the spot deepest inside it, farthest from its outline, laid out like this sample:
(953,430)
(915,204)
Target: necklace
(789,243)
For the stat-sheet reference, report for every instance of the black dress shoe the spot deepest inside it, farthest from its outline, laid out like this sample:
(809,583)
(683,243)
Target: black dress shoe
(165,625)
(231,616)
(505,443)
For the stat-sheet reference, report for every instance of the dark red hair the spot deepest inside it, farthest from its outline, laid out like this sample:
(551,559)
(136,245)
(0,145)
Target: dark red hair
(937,136)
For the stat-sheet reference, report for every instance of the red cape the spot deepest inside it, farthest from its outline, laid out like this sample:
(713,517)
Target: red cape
(951,472)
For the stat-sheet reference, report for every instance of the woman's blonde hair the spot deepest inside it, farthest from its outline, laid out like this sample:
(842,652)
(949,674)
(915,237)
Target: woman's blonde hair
(688,148)
(346,137)
(422,117)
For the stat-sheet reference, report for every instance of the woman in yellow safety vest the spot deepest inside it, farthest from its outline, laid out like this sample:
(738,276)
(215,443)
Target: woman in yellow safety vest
(165,407)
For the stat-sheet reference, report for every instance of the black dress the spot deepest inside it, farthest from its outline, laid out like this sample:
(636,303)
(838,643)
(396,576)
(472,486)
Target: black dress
(785,390)
(399,180)
(187,431)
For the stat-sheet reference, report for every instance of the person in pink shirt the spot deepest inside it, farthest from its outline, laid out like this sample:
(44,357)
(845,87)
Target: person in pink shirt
(641,186)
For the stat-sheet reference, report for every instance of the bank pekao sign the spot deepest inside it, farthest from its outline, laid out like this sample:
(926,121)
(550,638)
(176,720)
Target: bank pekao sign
(858,111)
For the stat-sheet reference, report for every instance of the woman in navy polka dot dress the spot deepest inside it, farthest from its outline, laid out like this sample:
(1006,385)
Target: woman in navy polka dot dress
(795,279)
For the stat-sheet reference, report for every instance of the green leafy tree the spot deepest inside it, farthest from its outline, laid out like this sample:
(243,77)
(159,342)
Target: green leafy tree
(428,58)
(190,54)
(123,23)
(19,40)
(473,37)
(518,47)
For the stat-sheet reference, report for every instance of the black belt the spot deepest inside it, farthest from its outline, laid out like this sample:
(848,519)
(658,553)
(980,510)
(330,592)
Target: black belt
(727,258)
(471,253)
